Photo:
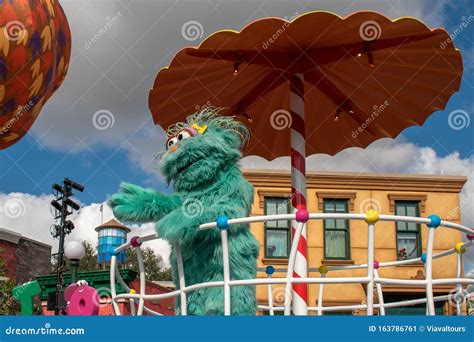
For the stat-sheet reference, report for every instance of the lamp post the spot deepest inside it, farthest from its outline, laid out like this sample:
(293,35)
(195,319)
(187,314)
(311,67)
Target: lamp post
(74,252)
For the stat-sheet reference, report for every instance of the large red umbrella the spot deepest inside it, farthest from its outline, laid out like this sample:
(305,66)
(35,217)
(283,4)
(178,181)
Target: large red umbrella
(35,47)
(326,82)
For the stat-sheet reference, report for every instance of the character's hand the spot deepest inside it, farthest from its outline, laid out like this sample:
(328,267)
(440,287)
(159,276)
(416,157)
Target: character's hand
(177,226)
(137,204)
(125,203)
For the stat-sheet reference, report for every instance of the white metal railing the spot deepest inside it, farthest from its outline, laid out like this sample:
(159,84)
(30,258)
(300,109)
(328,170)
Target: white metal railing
(372,279)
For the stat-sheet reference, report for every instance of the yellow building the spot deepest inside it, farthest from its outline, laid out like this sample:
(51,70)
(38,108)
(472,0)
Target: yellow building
(341,242)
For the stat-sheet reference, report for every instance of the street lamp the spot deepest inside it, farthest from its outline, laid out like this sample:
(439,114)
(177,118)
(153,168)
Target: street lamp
(74,251)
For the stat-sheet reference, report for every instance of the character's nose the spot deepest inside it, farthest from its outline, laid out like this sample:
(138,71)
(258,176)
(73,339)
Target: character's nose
(173,148)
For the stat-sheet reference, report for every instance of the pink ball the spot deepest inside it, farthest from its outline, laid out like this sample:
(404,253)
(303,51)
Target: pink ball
(376,264)
(469,236)
(302,215)
(134,242)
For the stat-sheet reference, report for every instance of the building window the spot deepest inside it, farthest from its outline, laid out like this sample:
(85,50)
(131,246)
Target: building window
(408,233)
(277,233)
(336,231)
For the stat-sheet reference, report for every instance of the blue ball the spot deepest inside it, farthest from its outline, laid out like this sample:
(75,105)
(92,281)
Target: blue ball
(423,258)
(269,270)
(222,222)
(435,221)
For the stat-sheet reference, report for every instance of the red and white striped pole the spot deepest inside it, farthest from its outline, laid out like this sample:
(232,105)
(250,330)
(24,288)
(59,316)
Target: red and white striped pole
(298,189)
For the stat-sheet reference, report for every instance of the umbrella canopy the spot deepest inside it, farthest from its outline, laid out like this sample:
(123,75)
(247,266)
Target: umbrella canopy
(365,77)
(35,47)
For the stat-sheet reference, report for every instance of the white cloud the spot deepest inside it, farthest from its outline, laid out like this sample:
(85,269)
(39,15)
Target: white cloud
(30,215)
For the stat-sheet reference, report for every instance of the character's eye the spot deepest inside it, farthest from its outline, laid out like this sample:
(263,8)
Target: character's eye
(171,142)
(184,135)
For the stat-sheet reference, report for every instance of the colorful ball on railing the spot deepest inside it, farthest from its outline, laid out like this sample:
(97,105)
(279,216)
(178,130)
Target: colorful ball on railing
(371,216)
(423,258)
(376,264)
(222,222)
(302,215)
(469,236)
(134,242)
(323,269)
(435,221)
(459,248)
(269,270)
(133,291)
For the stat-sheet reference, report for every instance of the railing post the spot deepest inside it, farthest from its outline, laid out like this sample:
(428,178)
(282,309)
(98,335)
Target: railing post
(222,224)
(460,250)
(182,281)
(141,269)
(379,291)
(323,270)
(113,291)
(269,270)
(435,221)
(371,217)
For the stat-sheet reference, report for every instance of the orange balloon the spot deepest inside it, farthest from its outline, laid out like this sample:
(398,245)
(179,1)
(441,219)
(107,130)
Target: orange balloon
(35,48)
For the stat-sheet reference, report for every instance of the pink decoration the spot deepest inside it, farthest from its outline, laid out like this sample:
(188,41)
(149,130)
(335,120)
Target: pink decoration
(134,242)
(84,301)
(469,236)
(302,215)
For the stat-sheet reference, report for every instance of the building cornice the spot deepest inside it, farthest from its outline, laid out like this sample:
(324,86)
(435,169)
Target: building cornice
(359,181)
(8,235)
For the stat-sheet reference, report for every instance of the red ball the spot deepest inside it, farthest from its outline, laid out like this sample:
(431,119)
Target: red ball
(134,242)
(376,264)
(469,236)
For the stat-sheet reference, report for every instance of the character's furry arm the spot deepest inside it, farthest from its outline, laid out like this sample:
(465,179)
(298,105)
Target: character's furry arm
(137,204)
(180,226)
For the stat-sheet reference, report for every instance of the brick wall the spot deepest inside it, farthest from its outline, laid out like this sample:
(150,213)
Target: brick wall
(8,255)
(33,259)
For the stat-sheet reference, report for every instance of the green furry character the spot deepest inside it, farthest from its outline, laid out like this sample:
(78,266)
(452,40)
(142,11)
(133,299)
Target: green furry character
(202,162)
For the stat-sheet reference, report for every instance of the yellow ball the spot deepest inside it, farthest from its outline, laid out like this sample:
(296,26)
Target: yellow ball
(132,291)
(371,216)
(460,248)
(323,269)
